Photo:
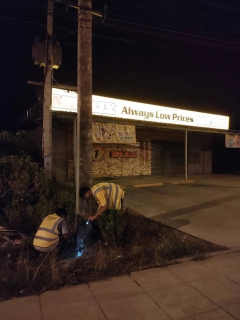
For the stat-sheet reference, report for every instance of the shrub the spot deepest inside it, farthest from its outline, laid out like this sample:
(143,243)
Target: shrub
(18,144)
(112,226)
(27,194)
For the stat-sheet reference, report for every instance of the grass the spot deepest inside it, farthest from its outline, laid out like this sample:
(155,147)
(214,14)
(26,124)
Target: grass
(128,242)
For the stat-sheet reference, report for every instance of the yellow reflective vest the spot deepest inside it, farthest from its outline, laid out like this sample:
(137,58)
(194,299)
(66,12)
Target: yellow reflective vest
(48,233)
(114,194)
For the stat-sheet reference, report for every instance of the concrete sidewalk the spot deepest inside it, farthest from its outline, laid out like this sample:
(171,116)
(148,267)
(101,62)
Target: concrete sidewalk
(203,290)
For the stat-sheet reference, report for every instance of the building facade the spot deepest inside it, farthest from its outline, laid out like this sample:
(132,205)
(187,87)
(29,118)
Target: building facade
(167,141)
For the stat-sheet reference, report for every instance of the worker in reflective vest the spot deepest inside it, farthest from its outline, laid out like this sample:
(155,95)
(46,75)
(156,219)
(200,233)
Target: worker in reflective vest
(107,195)
(52,231)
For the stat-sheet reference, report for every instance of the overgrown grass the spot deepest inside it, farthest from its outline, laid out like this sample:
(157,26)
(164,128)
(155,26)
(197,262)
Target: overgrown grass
(135,243)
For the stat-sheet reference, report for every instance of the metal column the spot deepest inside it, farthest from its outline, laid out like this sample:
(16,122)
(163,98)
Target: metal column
(186,155)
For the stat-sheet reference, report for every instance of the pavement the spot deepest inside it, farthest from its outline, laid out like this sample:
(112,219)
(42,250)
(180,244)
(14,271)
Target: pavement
(207,207)
(204,206)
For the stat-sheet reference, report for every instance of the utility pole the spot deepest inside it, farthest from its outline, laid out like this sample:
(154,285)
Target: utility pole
(47,102)
(84,106)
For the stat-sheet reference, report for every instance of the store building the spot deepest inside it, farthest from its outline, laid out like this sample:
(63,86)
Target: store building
(152,140)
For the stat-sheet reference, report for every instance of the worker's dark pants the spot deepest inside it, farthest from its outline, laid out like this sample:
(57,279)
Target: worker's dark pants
(62,246)
(96,233)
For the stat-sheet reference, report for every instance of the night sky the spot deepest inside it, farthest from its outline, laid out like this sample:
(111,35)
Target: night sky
(175,53)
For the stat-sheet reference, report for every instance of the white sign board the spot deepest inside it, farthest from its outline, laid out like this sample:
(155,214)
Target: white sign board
(113,133)
(66,101)
(232,141)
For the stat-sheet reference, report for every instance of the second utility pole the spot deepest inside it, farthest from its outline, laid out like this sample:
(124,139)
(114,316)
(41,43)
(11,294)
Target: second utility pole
(83,172)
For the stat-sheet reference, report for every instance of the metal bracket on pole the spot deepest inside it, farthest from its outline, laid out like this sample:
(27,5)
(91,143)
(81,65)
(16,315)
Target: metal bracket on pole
(95,13)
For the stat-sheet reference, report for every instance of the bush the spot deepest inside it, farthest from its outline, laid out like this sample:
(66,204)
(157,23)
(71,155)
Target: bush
(27,194)
(18,144)
(112,227)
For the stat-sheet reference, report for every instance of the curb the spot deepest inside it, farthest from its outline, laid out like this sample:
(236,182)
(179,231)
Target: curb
(182,182)
(188,259)
(148,185)
(207,255)
(162,183)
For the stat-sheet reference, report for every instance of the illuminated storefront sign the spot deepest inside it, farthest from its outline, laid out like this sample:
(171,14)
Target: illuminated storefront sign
(66,101)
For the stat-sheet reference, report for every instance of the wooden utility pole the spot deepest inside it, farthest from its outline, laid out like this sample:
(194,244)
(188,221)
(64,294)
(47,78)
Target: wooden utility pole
(47,102)
(84,110)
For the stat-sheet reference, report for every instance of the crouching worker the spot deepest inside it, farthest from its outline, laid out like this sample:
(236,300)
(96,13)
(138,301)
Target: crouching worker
(107,195)
(52,232)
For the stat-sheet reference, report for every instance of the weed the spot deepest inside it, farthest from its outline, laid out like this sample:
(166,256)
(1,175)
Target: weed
(199,256)
(101,261)
(112,226)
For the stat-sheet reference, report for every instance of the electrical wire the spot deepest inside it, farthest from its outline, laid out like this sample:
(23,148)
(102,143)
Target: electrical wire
(70,32)
(174,31)
(56,9)
(178,6)
(158,46)
(217,5)
(208,23)
(126,3)
(30,22)
(132,25)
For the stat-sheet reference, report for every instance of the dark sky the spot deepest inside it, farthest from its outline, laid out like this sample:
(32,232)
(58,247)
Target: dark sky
(168,52)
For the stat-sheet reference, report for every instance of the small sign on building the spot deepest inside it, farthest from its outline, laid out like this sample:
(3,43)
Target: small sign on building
(97,153)
(232,141)
(123,154)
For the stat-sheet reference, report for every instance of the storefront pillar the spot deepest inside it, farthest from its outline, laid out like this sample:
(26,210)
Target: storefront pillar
(186,155)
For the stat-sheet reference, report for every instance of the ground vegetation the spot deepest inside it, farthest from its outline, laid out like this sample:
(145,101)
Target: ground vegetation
(124,242)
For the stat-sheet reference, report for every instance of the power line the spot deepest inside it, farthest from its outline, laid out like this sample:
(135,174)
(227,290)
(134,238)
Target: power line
(209,22)
(70,32)
(157,46)
(134,26)
(31,22)
(216,5)
(155,11)
(174,31)
(178,6)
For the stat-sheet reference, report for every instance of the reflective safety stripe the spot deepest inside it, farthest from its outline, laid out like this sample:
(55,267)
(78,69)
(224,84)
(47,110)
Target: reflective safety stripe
(56,224)
(116,198)
(101,188)
(48,230)
(110,192)
(45,239)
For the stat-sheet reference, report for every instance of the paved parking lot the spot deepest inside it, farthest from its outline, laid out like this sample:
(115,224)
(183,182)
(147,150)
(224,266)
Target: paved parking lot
(206,206)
